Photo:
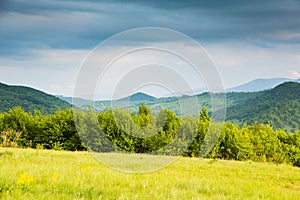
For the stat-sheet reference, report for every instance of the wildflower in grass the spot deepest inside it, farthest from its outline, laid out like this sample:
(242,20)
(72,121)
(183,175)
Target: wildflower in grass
(55,177)
(86,169)
(24,180)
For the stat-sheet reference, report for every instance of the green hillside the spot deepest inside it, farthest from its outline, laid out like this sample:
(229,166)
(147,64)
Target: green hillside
(176,103)
(279,106)
(29,99)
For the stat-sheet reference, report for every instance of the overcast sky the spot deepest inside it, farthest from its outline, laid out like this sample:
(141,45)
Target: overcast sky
(44,42)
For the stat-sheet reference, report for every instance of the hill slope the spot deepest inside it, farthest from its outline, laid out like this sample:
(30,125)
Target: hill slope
(279,106)
(29,99)
(138,97)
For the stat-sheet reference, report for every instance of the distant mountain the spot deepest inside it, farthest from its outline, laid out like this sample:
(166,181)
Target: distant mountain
(260,85)
(138,97)
(279,106)
(79,102)
(29,99)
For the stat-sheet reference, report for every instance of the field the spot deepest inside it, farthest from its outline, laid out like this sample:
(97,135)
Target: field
(45,174)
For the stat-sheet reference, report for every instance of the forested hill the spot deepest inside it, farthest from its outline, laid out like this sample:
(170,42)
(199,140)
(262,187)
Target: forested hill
(279,106)
(139,97)
(29,99)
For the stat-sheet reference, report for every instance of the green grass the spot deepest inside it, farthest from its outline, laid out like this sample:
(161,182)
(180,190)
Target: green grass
(77,175)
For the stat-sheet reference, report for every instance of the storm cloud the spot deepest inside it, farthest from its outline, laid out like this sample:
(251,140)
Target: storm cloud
(47,33)
(83,24)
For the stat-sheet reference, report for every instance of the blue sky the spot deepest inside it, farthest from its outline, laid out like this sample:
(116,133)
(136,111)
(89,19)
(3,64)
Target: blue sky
(43,43)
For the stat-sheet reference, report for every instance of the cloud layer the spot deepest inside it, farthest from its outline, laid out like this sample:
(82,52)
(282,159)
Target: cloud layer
(56,34)
(82,24)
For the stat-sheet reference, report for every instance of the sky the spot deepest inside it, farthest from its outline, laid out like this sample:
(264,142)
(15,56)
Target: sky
(44,43)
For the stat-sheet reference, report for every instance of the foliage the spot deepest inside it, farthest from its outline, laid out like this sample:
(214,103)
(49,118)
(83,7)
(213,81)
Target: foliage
(279,107)
(145,132)
(141,133)
(29,99)
(10,138)
(51,131)
(202,129)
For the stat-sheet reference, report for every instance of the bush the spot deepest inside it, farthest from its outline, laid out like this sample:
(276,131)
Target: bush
(10,138)
(296,163)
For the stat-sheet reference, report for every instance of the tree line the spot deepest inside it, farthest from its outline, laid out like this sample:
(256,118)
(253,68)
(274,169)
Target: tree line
(145,132)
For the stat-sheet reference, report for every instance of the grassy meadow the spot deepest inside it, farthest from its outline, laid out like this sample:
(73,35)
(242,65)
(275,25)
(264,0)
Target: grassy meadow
(48,174)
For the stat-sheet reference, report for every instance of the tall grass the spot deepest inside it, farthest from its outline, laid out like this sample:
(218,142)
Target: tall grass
(45,174)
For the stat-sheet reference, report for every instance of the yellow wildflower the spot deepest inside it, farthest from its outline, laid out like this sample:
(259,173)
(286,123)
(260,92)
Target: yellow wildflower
(25,179)
(86,169)
(55,177)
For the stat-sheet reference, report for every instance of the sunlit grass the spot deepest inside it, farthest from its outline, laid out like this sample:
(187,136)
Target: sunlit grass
(77,175)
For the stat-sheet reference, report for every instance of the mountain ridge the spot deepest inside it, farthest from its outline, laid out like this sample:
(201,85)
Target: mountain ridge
(260,84)
(29,99)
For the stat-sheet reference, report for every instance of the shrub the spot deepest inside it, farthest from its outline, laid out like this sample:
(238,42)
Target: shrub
(10,138)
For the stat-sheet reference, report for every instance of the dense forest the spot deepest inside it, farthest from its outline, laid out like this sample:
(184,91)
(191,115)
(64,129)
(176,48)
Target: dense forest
(279,107)
(29,99)
(144,132)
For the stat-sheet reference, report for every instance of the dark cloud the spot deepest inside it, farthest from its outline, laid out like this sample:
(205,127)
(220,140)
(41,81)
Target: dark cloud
(234,19)
(83,24)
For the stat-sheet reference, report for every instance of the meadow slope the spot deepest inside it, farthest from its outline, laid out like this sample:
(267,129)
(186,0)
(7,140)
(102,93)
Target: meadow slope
(48,174)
